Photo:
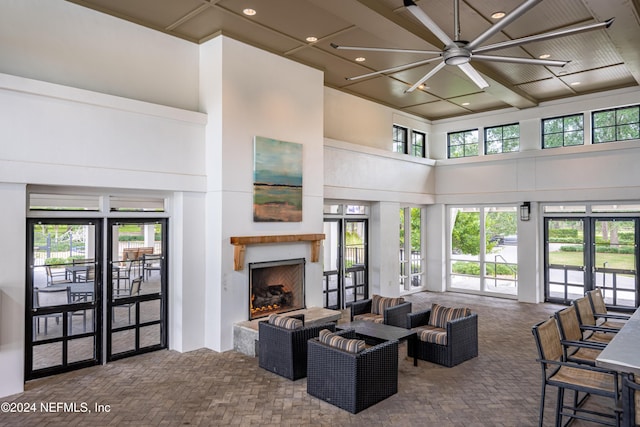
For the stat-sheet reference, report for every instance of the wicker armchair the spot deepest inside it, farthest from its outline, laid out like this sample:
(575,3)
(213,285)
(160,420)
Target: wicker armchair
(457,340)
(352,381)
(284,351)
(394,310)
(631,400)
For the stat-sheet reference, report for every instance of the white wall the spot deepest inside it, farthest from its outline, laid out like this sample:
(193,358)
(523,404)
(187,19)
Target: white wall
(259,94)
(353,172)
(62,136)
(12,289)
(57,135)
(59,42)
(359,121)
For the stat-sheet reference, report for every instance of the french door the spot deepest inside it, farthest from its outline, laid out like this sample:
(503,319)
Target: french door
(345,262)
(63,306)
(585,253)
(68,324)
(136,315)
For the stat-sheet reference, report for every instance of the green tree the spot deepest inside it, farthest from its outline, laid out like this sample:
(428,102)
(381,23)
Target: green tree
(465,236)
(501,223)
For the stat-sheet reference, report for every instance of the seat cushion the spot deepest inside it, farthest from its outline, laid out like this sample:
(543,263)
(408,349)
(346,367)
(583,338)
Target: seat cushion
(440,315)
(370,317)
(380,304)
(332,340)
(285,322)
(432,334)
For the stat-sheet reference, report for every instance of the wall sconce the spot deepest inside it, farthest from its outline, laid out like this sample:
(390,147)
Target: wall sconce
(525,211)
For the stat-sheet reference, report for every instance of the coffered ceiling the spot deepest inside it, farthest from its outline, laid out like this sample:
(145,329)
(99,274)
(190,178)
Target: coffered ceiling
(602,59)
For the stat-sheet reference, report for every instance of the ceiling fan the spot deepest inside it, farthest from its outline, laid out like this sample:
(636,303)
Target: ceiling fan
(460,52)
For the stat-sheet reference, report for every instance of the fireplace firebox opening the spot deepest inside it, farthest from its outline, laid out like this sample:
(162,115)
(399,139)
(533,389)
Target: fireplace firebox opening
(276,287)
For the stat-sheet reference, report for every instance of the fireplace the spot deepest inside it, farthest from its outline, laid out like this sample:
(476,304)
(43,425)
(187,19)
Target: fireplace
(276,287)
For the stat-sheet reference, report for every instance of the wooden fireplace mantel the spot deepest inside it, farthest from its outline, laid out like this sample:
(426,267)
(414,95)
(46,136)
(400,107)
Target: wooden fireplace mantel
(240,245)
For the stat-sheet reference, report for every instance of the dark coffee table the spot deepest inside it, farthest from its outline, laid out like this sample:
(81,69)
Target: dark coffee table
(379,332)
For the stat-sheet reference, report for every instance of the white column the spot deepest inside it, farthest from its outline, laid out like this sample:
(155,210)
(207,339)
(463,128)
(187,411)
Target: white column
(12,288)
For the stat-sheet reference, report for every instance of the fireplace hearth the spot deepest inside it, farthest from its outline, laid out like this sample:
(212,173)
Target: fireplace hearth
(276,287)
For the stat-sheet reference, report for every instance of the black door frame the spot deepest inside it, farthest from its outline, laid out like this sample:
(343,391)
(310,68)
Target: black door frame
(64,310)
(356,271)
(589,269)
(138,299)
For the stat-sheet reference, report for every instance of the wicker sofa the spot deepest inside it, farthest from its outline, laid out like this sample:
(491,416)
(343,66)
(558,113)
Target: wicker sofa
(390,311)
(284,351)
(448,340)
(352,381)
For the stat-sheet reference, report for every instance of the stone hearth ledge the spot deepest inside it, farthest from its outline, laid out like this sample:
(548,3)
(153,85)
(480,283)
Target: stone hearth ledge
(245,334)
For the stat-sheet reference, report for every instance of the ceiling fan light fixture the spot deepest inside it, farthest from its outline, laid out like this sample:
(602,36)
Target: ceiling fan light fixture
(457,55)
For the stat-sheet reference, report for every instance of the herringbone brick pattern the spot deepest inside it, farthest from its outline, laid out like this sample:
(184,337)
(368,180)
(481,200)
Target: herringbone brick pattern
(501,387)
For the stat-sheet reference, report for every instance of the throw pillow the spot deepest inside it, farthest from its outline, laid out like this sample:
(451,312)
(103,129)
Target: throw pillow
(380,304)
(440,315)
(332,340)
(285,322)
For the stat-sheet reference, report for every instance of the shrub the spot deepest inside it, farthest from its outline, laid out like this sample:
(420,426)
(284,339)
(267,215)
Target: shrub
(563,233)
(55,261)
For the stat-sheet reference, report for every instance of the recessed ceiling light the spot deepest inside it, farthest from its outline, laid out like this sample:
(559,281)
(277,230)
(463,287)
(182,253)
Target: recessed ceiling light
(498,15)
(544,56)
(574,83)
(423,87)
(360,59)
(249,12)
(312,39)
(464,104)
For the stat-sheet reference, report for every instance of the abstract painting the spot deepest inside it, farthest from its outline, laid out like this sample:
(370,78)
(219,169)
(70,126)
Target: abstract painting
(277,181)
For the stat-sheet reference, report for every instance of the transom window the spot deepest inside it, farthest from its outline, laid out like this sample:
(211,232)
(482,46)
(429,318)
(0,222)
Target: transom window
(502,139)
(400,139)
(563,131)
(418,143)
(462,144)
(619,124)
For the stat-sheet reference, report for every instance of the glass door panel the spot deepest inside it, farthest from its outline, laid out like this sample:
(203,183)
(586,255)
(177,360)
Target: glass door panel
(565,259)
(136,287)
(355,261)
(465,249)
(63,296)
(332,262)
(614,261)
(345,262)
(501,250)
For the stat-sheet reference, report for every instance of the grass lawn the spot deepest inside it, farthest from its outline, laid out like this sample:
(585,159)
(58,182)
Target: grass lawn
(619,261)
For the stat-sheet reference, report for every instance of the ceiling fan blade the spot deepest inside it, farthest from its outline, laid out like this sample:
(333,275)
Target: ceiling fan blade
(385,49)
(512,16)
(473,75)
(516,60)
(545,36)
(426,77)
(394,69)
(428,22)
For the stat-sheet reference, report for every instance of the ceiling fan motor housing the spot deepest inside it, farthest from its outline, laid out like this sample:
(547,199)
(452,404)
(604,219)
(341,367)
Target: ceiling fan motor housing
(457,54)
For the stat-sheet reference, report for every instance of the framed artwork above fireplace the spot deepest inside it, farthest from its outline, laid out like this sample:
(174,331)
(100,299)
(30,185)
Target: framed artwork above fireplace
(277,181)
